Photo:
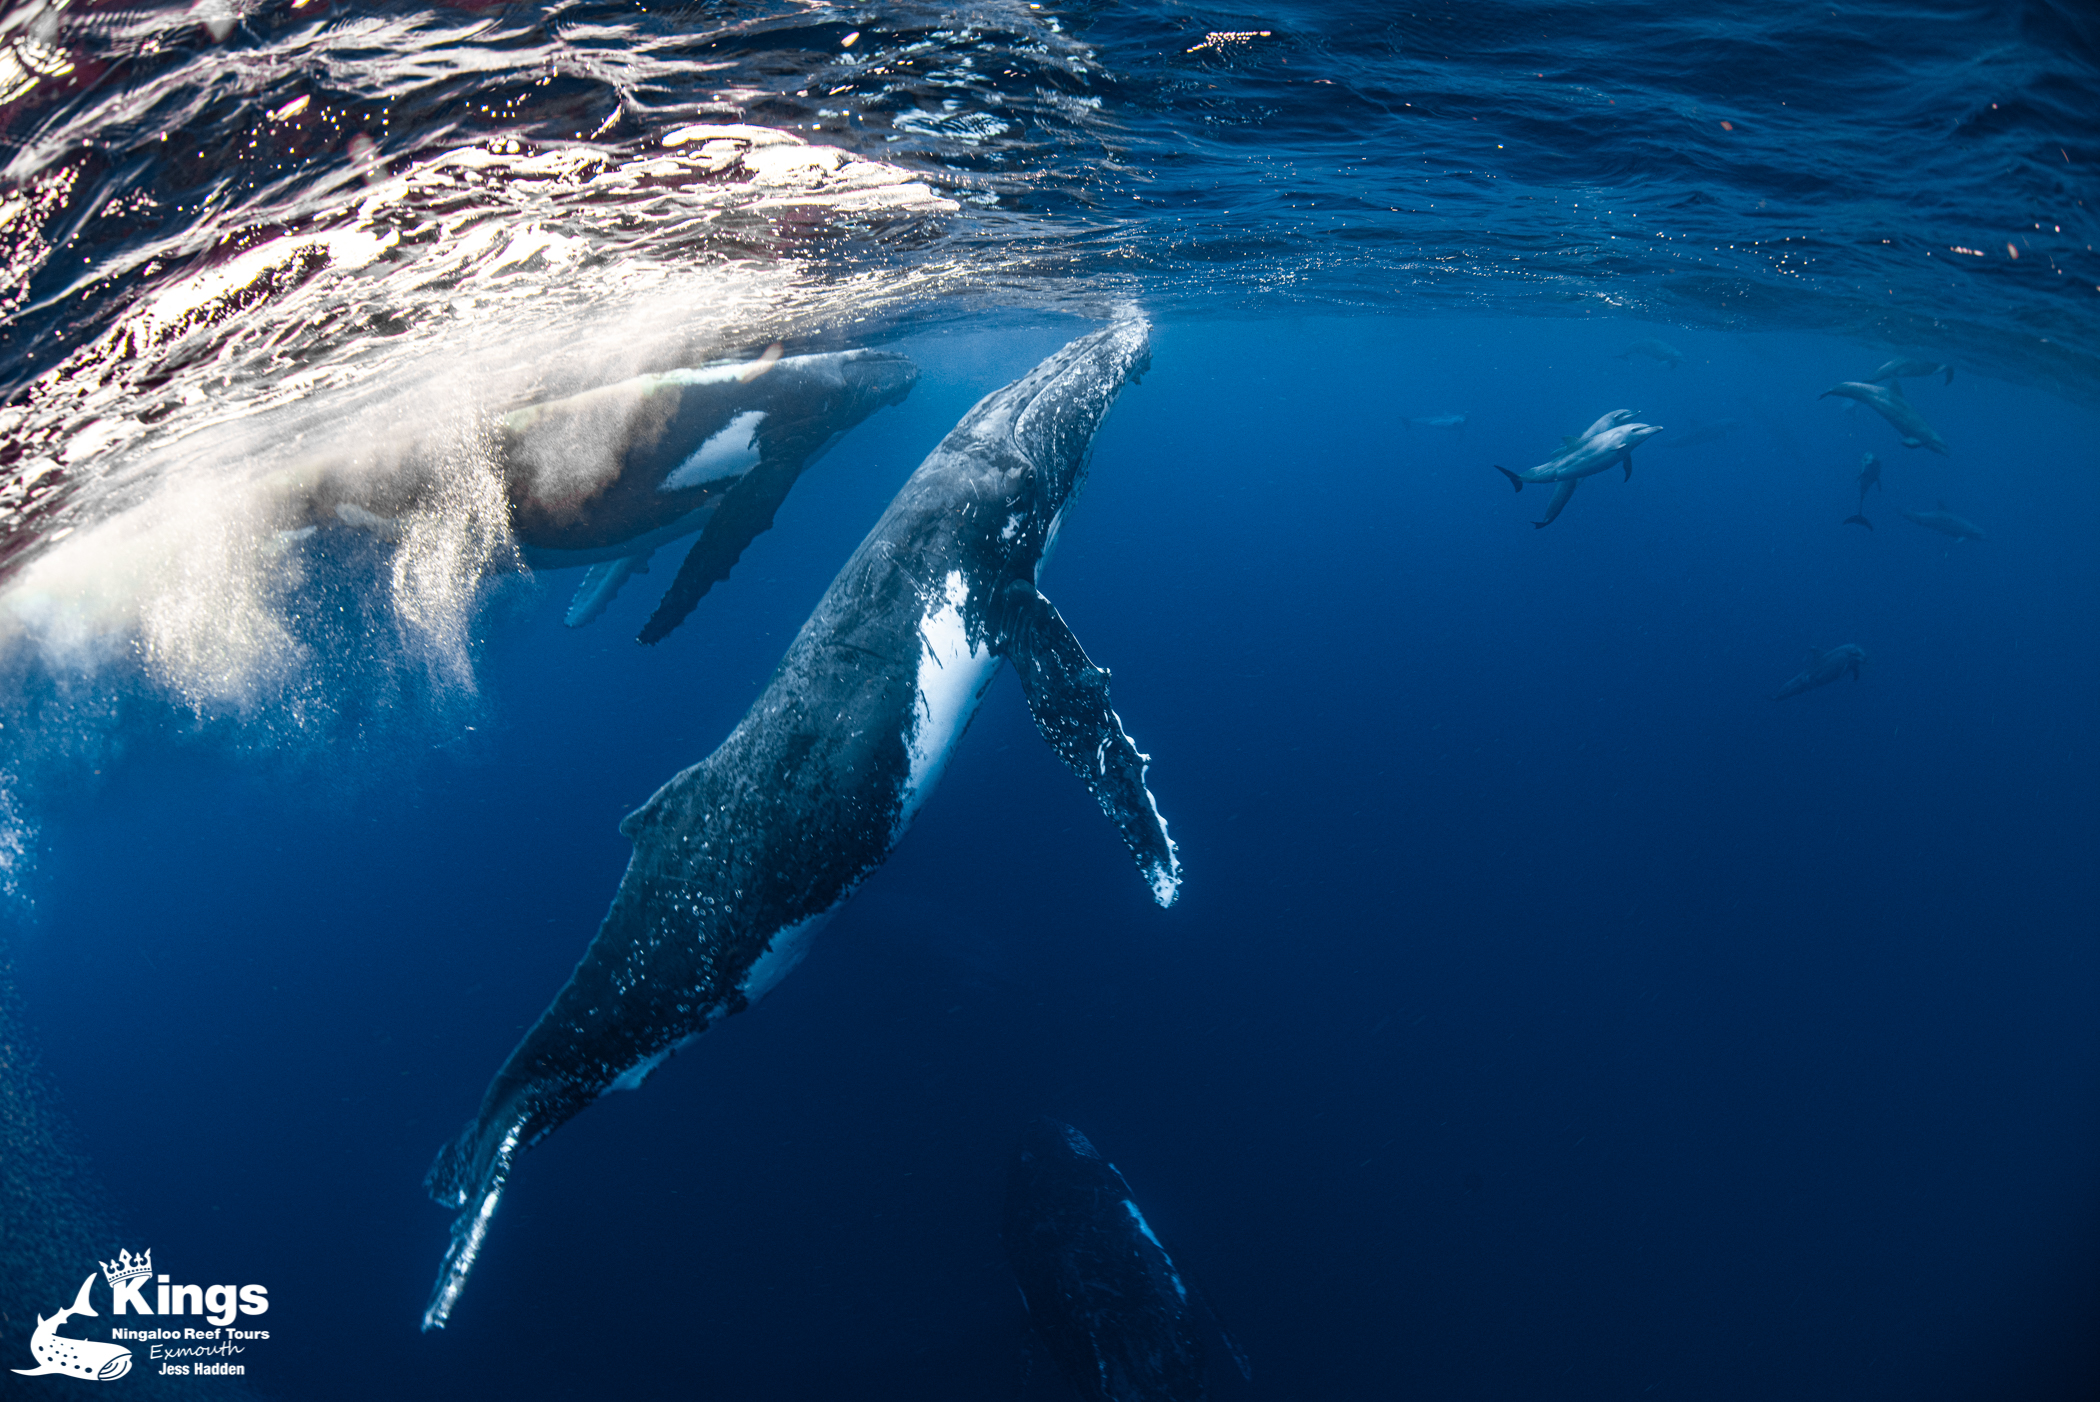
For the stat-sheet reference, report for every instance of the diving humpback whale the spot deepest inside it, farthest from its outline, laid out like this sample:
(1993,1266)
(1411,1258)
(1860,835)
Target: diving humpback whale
(1118,1316)
(1824,668)
(1946,523)
(739,859)
(1869,476)
(1594,453)
(1889,402)
(604,478)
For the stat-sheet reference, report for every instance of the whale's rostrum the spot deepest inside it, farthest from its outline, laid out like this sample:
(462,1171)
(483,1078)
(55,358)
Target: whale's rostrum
(739,859)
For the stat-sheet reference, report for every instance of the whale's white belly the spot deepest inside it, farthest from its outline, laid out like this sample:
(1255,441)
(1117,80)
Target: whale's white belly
(953,675)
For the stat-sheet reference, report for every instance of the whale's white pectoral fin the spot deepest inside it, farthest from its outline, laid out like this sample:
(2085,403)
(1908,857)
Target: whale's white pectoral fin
(454,1180)
(601,584)
(1068,696)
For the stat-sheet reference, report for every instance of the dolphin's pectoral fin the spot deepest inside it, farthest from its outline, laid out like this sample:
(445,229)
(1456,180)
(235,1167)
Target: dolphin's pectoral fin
(1560,499)
(1068,696)
(1514,480)
(1627,462)
(1857,521)
(601,584)
(746,513)
(457,1179)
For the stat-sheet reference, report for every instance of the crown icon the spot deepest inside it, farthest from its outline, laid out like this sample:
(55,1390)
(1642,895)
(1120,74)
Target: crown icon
(127,1267)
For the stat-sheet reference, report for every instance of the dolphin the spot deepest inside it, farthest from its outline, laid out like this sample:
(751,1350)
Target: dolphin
(1869,476)
(1660,351)
(1571,441)
(604,478)
(741,858)
(1946,523)
(1910,370)
(88,1359)
(1824,668)
(1119,1317)
(1891,405)
(1611,448)
(1444,421)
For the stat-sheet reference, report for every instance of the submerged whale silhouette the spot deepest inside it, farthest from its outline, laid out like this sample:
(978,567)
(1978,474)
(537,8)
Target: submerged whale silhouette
(1824,668)
(739,860)
(76,1358)
(1122,1321)
(604,478)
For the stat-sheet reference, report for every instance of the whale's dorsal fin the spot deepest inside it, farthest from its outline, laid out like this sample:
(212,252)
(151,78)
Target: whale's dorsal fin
(1068,696)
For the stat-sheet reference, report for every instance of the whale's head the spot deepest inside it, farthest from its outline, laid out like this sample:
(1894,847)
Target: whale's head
(1042,425)
(875,379)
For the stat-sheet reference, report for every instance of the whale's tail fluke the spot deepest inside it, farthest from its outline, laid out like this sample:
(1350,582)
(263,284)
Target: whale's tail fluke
(1857,521)
(1514,480)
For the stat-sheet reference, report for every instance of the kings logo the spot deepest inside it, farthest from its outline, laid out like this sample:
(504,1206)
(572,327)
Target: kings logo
(94,1361)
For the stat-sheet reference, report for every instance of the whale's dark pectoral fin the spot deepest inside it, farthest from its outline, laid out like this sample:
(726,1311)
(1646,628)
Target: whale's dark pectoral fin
(1857,521)
(1068,695)
(455,1180)
(1514,480)
(1560,499)
(746,513)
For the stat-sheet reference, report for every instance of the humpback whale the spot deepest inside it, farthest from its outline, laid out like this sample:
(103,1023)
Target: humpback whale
(1591,455)
(76,1358)
(1824,668)
(1117,1315)
(739,859)
(1869,476)
(1910,426)
(1656,350)
(606,477)
(1911,370)
(1946,523)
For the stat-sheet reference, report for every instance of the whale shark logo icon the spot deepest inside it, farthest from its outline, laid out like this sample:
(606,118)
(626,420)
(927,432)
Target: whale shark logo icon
(76,1358)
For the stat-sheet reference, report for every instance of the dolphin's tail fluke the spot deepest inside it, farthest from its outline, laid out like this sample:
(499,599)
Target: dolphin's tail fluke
(458,1178)
(1514,480)
(1857,521)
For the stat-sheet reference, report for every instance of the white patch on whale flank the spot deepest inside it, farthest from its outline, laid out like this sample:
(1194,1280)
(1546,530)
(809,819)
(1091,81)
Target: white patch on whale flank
(953,673)
(731,451)
(1146,1227)
(783,952)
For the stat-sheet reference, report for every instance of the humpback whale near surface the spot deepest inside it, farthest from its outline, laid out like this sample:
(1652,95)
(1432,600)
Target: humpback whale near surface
(606,477)
(1118,1316)
(739,859)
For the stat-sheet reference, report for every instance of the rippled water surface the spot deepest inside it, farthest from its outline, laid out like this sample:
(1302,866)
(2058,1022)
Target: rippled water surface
(1550,1013)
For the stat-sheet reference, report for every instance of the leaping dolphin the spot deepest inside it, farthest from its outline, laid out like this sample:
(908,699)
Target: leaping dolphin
(1600,453)
(1911,370)
(1946,523)
(604,478)
(89,1359)
(1869,476)
(1656,350)
(1910,426)
(741,858)
(1824,668)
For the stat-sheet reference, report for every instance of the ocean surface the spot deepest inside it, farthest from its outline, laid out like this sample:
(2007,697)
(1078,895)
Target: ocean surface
(1547,1012)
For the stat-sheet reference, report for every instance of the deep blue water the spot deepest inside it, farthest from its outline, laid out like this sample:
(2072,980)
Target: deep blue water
(1547,1013)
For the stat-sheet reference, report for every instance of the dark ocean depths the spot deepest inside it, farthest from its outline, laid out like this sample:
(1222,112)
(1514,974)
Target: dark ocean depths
(1547,1013)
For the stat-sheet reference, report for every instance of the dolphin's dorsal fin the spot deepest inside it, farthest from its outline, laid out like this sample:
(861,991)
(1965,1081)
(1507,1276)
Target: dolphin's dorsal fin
(1568,442)
(1895,389)
(1068,696)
